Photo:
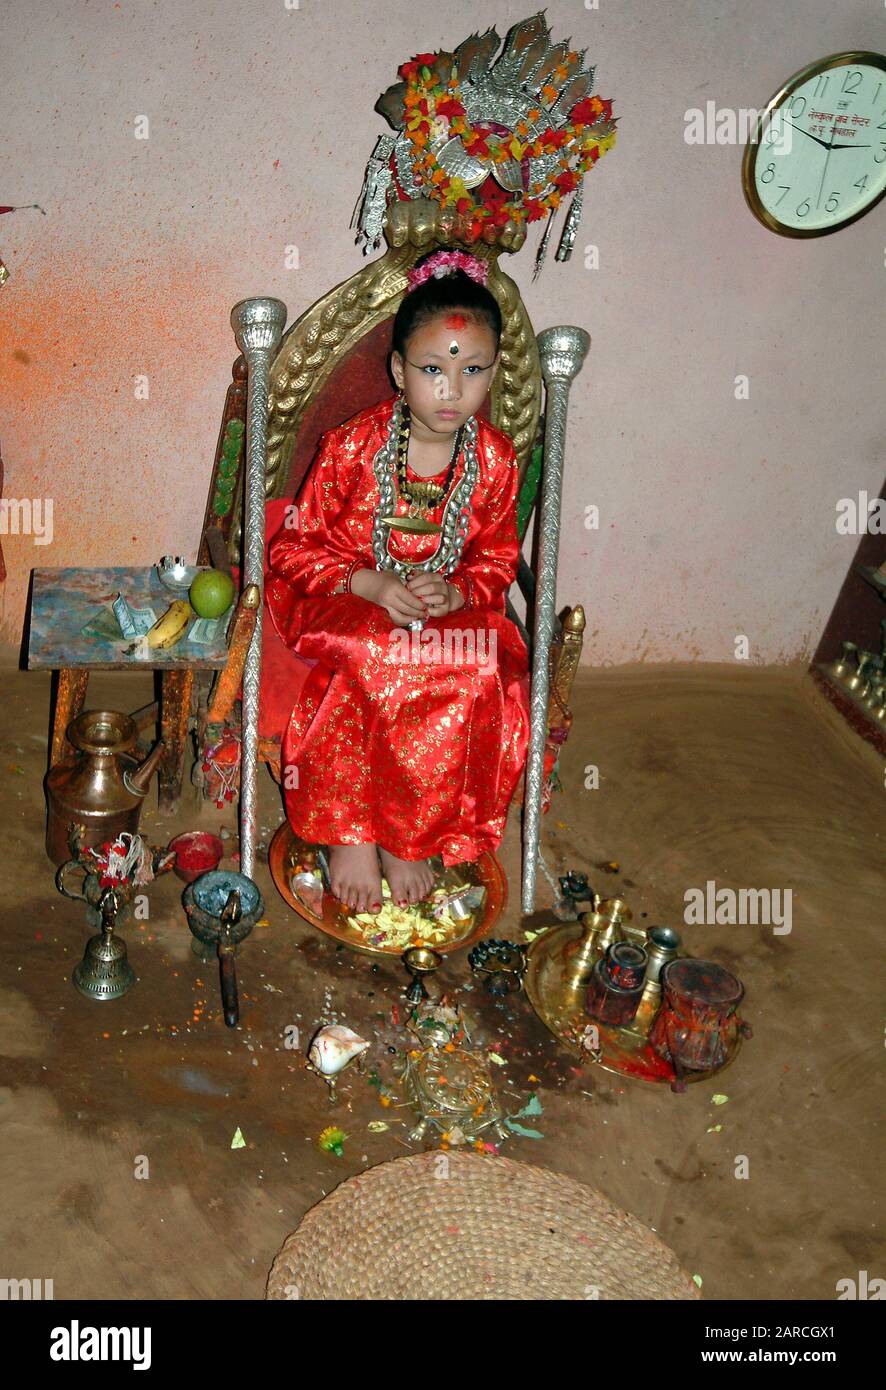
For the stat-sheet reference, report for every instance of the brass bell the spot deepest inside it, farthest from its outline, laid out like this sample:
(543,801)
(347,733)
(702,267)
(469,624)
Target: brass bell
(105,972)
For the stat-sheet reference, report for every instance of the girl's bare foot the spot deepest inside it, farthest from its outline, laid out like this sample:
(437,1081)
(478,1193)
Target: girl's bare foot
(355,877)
(409,880)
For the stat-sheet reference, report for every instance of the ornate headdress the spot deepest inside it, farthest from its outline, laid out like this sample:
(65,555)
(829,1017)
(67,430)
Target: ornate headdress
(497,141)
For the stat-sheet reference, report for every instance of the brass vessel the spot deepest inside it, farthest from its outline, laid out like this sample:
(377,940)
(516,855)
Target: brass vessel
(622,916)
(580,956)
(102,788)
(662,946)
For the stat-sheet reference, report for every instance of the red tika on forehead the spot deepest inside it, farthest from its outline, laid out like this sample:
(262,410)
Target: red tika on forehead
(456,321)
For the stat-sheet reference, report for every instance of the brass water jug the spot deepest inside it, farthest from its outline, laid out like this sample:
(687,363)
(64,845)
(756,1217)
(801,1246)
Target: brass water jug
(102,788)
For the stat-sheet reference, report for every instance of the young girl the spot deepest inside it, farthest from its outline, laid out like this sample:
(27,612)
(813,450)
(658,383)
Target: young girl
(411,730)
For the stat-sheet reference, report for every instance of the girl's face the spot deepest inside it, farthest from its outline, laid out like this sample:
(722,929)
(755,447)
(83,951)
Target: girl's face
(443,388)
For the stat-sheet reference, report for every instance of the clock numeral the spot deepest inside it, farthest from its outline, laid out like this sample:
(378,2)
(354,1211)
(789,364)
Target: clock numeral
(803,208)
(770,171)
(853,72)
(878,159)
(821,84)
(882,125)
(792,106)
(835,199)
(786,188)
(862,183)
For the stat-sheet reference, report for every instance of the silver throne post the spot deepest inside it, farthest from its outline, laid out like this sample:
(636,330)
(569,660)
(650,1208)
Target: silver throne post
(562,351)
(258,327)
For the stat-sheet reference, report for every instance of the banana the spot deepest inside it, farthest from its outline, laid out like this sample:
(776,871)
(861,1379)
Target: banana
(172,626)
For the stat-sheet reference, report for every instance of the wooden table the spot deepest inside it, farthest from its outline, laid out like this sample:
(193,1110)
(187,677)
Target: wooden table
(62,602)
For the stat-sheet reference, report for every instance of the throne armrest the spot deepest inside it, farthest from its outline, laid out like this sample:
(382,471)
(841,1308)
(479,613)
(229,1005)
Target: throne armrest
(229,679)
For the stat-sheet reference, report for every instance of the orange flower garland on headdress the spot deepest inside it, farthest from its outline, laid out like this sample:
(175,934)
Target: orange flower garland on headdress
(496,138)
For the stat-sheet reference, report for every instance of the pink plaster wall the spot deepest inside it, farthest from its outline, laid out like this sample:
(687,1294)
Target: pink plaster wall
(717,515)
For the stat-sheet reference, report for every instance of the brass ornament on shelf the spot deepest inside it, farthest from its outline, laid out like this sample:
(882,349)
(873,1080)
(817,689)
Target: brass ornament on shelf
(862,675)
(842,667)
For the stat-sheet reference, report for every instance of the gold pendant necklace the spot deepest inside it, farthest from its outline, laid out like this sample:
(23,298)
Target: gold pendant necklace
(423,495)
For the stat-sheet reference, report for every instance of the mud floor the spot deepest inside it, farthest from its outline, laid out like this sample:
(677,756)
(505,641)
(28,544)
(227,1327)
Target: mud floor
(744,778)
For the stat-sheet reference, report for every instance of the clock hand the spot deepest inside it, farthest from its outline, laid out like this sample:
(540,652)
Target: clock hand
(824,143)
(824,170)
(816,138)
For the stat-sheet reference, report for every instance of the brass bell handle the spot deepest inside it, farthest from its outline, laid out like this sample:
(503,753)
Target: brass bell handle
(60,879)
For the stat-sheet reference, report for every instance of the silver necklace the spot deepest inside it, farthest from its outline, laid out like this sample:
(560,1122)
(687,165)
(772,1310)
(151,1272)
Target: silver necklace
(456,514)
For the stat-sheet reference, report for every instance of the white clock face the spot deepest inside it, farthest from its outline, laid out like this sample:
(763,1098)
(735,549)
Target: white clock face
(821,156)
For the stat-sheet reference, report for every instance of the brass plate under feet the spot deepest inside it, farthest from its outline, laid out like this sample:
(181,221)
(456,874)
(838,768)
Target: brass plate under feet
(288,854)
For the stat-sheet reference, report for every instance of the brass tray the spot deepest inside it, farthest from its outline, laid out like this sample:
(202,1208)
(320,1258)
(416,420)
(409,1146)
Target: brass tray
(625,1051)
(288,853)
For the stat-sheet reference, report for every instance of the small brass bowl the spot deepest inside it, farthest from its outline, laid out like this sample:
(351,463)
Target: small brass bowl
(420,961)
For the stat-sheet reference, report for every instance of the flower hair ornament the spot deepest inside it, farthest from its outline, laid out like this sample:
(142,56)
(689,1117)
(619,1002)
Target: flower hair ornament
(446,263)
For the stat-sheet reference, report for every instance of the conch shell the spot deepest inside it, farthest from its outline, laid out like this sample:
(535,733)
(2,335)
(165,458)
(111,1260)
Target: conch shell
(333,1047)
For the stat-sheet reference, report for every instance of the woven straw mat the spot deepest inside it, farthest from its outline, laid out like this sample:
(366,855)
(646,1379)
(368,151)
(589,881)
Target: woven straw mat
(469,1226)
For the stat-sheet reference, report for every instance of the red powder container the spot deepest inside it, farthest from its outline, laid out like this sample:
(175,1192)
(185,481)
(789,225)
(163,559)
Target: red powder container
(616,984)
(196,853)
(692,1027)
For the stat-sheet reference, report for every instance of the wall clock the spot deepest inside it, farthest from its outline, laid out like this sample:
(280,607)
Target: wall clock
(816,160)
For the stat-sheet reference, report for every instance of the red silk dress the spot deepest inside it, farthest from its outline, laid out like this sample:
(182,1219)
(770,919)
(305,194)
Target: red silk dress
(414,742)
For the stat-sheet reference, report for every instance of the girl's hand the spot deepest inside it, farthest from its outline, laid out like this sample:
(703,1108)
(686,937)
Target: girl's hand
(439,596)
(394,596)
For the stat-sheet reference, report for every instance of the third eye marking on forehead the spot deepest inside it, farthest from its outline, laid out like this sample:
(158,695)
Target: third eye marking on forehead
(435,357)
